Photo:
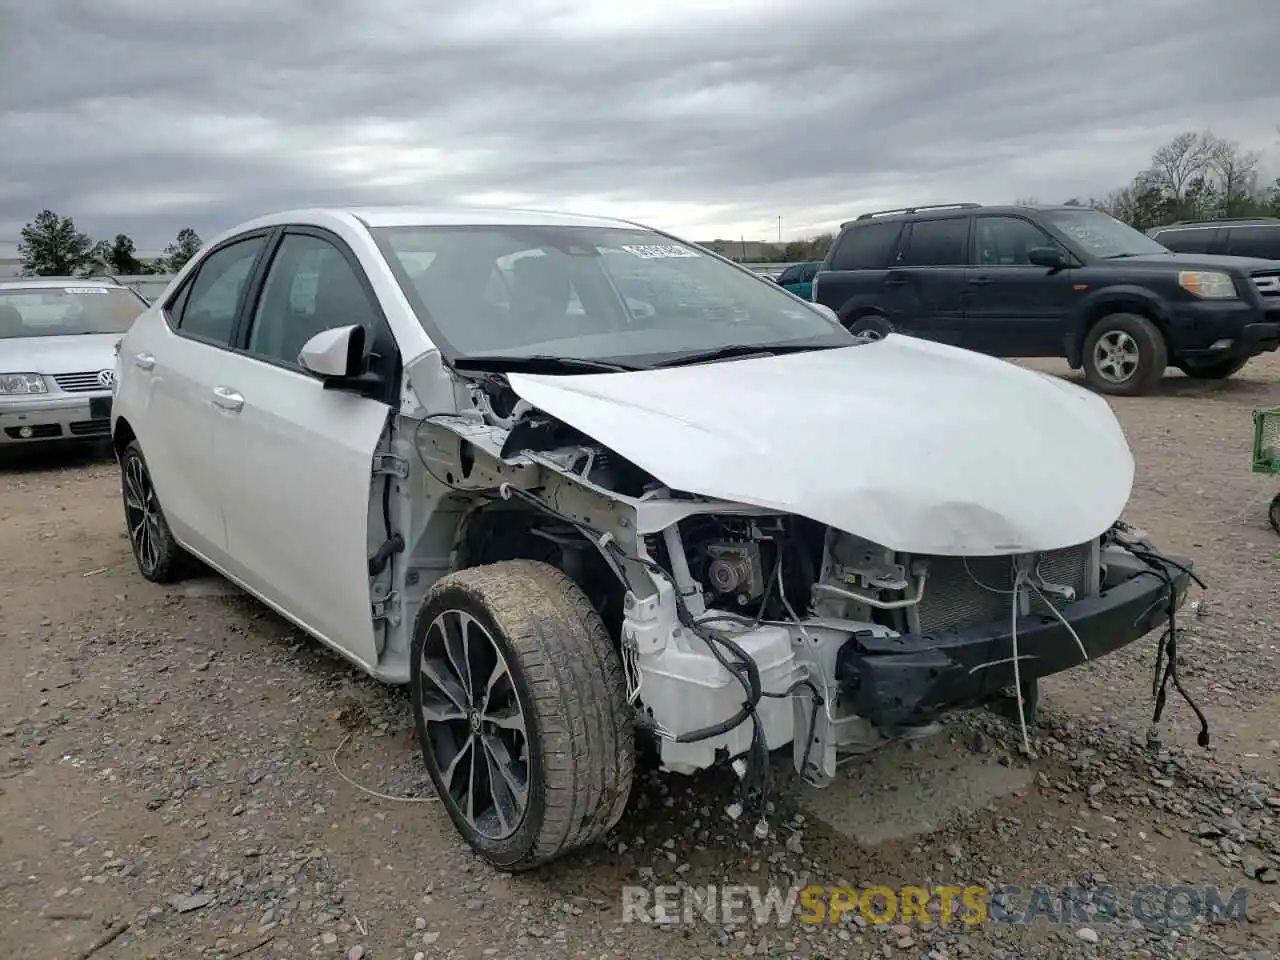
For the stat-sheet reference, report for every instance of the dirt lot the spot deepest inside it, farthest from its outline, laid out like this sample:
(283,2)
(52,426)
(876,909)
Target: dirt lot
(167,769)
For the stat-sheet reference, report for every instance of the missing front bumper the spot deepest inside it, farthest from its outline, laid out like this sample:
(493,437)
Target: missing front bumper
(914,678)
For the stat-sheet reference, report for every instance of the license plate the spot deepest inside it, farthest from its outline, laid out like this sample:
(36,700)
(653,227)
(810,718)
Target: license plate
(99,408)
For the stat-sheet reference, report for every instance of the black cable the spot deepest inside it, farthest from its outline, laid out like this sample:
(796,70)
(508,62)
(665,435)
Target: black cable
(1167,649)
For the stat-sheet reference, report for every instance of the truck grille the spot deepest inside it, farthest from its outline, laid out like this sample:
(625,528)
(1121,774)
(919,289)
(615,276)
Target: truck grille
(79,382)
(958,594)
(1267,284)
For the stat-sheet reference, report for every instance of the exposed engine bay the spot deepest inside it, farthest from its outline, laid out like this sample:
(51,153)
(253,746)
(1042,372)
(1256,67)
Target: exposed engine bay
(744,629)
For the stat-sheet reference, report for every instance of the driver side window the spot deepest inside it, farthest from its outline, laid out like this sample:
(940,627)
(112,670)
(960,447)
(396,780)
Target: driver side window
(1005,241)
(310,287)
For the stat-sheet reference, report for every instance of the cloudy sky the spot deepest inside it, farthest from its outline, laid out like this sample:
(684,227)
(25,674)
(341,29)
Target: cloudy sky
(711,118)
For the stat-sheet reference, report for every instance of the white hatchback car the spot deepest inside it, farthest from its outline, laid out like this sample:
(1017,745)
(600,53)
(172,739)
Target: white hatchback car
(572,478)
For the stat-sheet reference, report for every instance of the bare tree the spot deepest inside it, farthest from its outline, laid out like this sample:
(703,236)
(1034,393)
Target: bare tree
(1236,172)
(1178,162)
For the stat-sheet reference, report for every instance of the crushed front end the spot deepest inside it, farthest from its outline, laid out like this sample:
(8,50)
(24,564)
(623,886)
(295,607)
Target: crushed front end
(852,644)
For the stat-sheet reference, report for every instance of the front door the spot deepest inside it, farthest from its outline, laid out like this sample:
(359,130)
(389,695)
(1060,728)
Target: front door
(923,289)
(299,456)
(1013,307)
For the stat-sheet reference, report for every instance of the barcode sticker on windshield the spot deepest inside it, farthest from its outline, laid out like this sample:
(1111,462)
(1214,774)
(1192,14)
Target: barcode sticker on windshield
(660,251)
(86,289)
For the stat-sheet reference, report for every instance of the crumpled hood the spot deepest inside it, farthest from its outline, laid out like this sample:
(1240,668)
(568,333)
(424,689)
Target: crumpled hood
(917,446)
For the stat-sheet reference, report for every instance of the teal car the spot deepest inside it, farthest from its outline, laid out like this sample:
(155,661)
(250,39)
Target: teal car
(798,278)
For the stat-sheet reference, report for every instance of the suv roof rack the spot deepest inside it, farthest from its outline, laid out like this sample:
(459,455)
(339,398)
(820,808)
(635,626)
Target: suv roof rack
(927,206)
(1183,223)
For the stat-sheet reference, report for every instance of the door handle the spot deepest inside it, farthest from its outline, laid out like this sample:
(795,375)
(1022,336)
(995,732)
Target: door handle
(227,399)
(895,281)
(979,281)
(144,360)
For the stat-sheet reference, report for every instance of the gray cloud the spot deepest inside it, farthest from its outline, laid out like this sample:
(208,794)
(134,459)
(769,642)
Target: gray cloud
(709,119)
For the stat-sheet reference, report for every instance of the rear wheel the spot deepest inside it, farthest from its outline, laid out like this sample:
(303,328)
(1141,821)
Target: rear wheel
(1274,513)
(1125,355)
(521,712)
(159,557)
(1214,369)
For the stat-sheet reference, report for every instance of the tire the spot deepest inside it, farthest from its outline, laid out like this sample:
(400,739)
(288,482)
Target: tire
(1213,370)
(1273,514)
(871,325)
(1124,355)
(563,683)
(159,557)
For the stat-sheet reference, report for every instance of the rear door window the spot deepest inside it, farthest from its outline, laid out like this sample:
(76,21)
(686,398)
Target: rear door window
(866,247)
(936,243)
(1194,240)
(1262,242)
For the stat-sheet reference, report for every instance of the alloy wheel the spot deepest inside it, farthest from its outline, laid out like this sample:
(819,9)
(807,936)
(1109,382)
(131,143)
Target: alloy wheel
(1116,356)
(142,514)
(475,724)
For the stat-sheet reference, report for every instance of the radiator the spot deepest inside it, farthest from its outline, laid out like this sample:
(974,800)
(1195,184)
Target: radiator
(960,592)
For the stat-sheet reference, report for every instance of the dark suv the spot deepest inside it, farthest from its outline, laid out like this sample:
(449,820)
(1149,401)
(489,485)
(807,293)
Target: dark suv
(1065,281)
(1237,237)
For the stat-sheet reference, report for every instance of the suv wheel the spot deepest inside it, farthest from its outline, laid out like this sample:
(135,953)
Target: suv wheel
(1213,369)
(1125,355)
(870,325)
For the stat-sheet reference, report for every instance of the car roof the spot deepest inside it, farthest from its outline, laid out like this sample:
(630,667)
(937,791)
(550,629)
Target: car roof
(410,216)
(940,211)
(58,283)
(1223,222)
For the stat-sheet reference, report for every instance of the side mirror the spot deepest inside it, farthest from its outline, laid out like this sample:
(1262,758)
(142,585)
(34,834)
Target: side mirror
(827,312)
(337,353)
(1050,257)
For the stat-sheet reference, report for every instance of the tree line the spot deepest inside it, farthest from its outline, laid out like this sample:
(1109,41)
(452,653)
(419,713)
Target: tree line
(1195,176)
(52,246)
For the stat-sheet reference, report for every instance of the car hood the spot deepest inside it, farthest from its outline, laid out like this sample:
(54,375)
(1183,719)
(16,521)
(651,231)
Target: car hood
(917,446)
(1202,261)
(80,353)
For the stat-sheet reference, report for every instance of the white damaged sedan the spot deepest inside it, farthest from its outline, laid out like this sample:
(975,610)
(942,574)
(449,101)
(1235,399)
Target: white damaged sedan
(577,482)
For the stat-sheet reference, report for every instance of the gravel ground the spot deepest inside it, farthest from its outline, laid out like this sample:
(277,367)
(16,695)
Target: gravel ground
(168,774)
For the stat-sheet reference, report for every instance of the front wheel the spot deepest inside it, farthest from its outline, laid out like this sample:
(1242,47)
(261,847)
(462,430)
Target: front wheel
(521,712)
(1214,369)
(1125,355)
(1274,513)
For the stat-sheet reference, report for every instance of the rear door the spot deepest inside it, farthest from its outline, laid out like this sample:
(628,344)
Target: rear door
(924,288)
(1014,308)
(179,365)
(1255,241)
(851,279)
(298,456)
(1192,239)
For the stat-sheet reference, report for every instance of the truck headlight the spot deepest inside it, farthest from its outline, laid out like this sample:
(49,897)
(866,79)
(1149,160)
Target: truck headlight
(1208,284)
(12,384)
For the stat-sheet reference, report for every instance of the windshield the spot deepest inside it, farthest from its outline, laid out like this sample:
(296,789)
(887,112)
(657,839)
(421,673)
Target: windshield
(1103,235)
(620,294)
(63,311)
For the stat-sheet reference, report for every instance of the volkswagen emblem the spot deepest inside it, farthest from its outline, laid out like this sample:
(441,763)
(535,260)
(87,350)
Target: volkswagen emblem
(107,378)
